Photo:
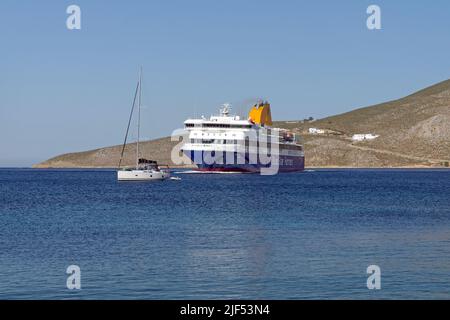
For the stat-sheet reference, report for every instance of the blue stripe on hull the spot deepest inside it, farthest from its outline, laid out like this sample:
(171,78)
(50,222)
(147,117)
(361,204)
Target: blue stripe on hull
(286,163)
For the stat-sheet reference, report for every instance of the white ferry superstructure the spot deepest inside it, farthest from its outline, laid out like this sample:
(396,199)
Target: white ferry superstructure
(227,143)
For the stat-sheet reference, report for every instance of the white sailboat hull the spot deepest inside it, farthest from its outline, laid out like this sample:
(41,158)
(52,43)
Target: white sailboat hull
(142,175)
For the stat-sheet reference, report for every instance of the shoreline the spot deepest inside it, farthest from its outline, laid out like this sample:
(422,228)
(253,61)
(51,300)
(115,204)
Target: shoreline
(193,167)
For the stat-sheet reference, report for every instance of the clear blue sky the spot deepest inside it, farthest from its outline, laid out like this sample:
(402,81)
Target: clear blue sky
(64,91)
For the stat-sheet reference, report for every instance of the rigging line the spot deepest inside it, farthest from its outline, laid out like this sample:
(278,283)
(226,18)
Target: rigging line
(139,118)
(128,127)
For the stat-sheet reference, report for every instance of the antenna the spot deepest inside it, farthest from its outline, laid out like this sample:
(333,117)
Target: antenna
(195,107)
(225,110)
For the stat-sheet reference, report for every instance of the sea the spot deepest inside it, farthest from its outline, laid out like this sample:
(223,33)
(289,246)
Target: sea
(319,234)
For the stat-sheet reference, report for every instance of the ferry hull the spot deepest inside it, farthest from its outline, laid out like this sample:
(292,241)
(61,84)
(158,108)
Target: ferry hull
(286,163)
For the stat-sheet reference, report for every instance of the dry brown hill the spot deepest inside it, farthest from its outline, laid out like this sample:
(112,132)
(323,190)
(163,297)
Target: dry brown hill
(413,131)
(108,157)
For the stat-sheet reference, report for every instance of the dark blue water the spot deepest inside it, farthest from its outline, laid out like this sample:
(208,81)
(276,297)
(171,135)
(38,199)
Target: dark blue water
(291,236)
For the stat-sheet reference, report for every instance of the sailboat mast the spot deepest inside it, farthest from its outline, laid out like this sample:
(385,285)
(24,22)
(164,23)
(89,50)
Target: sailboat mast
(139,118)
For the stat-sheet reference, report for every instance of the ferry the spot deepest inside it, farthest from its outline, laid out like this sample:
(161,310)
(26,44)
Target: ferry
(227,143)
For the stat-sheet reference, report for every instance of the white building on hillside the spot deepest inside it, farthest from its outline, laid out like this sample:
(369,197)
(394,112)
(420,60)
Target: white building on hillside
(364,136)
(316,131)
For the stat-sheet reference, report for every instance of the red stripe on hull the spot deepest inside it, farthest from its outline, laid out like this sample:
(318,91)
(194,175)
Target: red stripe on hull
(224,170)
(241,170)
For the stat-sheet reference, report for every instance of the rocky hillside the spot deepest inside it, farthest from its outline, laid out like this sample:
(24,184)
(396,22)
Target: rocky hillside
(108,157)
(413,132)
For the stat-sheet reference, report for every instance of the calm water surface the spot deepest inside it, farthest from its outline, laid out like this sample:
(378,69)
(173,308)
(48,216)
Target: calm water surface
(291,236)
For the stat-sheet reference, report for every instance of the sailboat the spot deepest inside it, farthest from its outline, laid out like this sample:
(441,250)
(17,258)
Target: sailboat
(145,170)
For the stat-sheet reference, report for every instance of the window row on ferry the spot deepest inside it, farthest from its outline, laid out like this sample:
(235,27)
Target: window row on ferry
(218,125)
